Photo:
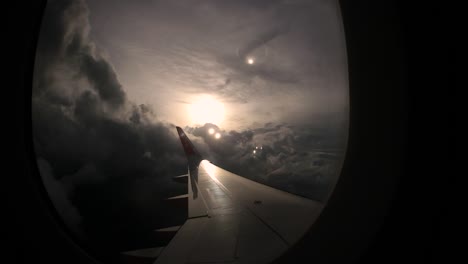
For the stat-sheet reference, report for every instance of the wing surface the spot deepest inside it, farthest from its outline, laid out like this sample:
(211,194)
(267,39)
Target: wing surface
(235,220)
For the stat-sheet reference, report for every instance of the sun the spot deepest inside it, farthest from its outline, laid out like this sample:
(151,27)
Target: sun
(206,109)
(250,61)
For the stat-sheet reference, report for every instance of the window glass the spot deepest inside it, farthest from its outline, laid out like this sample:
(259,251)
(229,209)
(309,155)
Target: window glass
(260,88)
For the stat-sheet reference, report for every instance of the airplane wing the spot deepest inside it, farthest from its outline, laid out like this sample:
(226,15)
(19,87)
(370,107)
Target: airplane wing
(232,219)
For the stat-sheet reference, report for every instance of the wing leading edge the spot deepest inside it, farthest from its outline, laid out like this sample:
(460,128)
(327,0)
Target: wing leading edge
(233,219)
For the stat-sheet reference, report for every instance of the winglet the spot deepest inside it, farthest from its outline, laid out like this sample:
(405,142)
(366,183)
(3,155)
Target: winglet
(191,152)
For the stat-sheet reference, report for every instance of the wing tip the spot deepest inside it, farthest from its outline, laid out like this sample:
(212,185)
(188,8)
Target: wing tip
(191,152)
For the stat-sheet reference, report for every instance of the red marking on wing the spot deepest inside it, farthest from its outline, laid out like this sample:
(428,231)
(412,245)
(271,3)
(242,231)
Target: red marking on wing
(188,148)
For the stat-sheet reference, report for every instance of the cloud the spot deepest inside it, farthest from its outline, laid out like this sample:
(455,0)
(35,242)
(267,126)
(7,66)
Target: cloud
(64,43)
(291,158)
(260,40)
(97,143)
(103,79)
(262,68)
(182,49)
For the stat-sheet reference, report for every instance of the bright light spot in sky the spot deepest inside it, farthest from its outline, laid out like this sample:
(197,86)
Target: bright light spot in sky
(250,61)
(211,131)
(254,151)
(206,110)
(217,135)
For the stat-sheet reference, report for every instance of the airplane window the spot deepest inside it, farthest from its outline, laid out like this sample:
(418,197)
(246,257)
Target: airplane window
(155,120)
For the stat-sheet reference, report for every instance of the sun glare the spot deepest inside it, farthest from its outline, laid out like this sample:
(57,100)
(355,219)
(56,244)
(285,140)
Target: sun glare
(250,61)
(217,135)
(206,110)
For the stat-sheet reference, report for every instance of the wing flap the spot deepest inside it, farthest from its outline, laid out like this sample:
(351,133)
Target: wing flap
(181,178)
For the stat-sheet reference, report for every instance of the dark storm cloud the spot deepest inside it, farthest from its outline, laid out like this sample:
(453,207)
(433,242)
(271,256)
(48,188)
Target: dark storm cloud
(64,41)
(103,79)
(60,198)
(80,141)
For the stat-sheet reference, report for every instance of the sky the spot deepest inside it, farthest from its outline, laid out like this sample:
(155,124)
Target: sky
(112,79)
(167,53)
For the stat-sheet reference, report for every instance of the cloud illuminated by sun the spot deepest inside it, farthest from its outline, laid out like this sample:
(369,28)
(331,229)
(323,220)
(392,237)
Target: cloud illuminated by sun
(206,109)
